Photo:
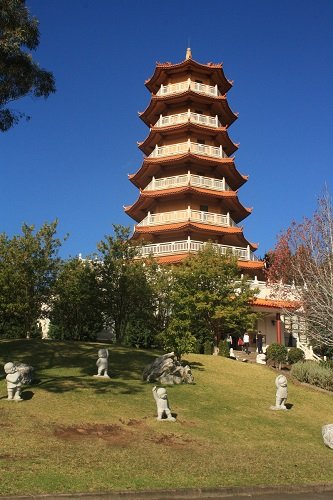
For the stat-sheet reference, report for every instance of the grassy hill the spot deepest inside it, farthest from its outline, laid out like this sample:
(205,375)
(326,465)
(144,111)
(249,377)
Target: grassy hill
(77,433)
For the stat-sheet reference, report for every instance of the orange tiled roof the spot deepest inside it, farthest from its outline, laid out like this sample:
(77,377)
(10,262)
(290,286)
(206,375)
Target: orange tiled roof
(219,133)
(251,264)
(181,225)
(278,304)
(162,69)
(147,197)
(158,103)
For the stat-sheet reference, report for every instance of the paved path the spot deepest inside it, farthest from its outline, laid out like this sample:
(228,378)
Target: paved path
(314,492)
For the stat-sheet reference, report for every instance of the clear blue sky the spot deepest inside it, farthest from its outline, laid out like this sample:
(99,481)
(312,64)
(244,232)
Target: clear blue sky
(72,159)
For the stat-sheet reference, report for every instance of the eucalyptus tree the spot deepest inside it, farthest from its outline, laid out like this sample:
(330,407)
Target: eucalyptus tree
(20,75)
(29,265)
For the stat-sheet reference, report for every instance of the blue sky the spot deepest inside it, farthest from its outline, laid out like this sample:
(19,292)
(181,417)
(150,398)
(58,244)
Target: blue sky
(71,160)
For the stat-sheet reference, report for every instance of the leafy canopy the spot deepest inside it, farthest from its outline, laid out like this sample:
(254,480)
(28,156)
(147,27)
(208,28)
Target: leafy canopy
(20,75)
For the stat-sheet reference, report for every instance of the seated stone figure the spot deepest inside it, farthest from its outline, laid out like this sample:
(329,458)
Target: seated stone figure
(14,384)
(102,363)
(161,398)
(281,393)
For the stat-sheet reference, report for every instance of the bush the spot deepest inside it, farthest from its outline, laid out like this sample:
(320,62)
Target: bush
(208,347)
(277,353)
(224,348)
(295,354)
(313,373)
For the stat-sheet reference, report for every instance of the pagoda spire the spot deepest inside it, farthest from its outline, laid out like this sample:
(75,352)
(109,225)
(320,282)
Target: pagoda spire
(188,53)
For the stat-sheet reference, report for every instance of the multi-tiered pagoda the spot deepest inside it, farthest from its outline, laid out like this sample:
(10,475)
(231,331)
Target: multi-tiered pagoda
(188,180)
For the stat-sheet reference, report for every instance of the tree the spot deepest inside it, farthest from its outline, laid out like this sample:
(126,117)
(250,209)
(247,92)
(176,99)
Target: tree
(303,258)
(29,265)
(76,311)
(208,300)
(20,75)
(127,296)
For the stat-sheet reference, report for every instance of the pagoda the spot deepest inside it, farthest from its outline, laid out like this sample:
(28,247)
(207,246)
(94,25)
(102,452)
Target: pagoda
(188,180)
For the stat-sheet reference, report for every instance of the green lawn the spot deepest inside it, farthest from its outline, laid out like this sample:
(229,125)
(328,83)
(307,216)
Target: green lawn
(77,433)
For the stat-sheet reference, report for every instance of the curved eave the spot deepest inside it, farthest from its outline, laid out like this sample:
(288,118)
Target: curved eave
(210,230)
(147,198)
(225,166)
(275,304)
(158,104)
(177,258)
(164,70)
(156,134)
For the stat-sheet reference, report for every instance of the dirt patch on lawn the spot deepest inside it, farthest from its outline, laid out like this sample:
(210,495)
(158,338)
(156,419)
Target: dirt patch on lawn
(174,440)
(111,433)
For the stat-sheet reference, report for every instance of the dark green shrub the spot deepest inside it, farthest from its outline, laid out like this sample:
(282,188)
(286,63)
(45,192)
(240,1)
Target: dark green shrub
(295,354)
(277,353)
(223,348)
(208,347)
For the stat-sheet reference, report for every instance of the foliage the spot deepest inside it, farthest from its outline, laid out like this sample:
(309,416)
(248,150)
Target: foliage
(177,337)
(295,354)
(207,298)
(313,373)
(208,347)
(20,74)
(29,266)
(277,353)
(126,293)
(224,349)
(76,311)
(304,258)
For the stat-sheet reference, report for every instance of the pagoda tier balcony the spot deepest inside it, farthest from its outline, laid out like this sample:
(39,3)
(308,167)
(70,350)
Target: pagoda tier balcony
(188,116)
(188,146)
(188,215)
(187,246)
(180,87)
(188,180)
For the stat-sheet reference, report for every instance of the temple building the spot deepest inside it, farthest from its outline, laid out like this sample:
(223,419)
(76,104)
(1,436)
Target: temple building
(188,182)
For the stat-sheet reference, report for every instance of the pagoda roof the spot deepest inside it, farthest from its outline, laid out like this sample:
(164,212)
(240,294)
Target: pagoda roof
(275,304)
(163,70)
(234,235)
(224,167)
(230,200)
(156,134)
(159,104)
(176,258)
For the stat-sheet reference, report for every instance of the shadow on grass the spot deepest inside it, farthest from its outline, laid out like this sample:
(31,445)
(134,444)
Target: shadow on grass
(98,386)
(55,361)
(193,365)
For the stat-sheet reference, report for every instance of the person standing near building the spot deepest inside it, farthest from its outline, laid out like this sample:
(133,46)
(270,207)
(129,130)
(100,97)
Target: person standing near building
(246,340)
(259,342)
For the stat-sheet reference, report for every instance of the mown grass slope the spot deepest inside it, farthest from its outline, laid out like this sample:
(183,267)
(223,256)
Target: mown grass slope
(77,433)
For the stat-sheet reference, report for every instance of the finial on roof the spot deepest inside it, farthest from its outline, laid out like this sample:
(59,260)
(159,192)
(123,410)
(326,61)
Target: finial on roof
(188,53)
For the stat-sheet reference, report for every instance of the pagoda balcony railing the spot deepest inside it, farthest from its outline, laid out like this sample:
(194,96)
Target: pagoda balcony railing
(188,116)
(188,215)
(178,88)
(183,147)
(185,246)
(187,180)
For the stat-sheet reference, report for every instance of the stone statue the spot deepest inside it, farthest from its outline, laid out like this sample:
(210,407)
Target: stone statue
(102,363)
(161,398)
(327,432)
(167,370)
(14,384)
(261,359)
(281,393)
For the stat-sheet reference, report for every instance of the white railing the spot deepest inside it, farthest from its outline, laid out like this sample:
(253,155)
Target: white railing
(187,180)
(183,147)
(183,246)
(178,88)
(210,121)
(188,215)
